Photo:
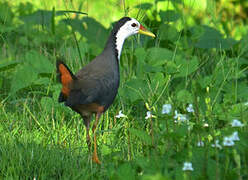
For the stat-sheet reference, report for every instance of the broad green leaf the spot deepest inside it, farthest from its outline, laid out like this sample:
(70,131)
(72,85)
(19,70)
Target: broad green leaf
(196,32)
(140,54)
(38,62)
(212,38)
(23,77)
(180,131)
(129,94)
(24,41)
(42,81)
(244,45)
(186,67)
(73,12)
(157,81)
(171,68)
(205,81)
(132,89)
(144,6)
(158,77)
(43,17)
(134,83)
(238,109)
(239,90)
(184,96)
(89,28)
(240,60)
(169,16)
(159,56)
(6,29)
(6,64)
(152,69)
(168,32)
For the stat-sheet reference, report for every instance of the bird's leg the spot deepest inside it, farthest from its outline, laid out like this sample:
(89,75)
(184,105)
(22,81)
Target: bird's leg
(87,125)
(88,140)
(88,137)
(95,156)
(87,119)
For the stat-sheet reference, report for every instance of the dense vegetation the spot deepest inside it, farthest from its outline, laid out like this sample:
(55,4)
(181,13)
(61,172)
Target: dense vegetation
(183,94)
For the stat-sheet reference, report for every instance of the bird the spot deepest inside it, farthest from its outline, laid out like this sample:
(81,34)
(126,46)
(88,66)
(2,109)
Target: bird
(93,88)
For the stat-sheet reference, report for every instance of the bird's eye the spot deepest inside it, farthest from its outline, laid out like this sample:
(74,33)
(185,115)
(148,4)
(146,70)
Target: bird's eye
(134,25)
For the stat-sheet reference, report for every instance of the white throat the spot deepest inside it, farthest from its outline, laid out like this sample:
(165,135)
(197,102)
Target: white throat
(120,38)
(123,33)
(131,27)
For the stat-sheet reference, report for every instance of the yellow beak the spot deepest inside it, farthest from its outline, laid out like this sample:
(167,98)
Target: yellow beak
(144,31)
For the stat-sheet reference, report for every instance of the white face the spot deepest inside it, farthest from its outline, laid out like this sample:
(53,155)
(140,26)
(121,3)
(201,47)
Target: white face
(130,28)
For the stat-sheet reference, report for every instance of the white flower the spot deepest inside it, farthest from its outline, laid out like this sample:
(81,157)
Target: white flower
(237,123)
(166,108)
(149,115)
(200,144)
(190,108)
(235,136)
(228,141)
(216,144)
(120,115)
(180,117)
(187,166)
(205,125)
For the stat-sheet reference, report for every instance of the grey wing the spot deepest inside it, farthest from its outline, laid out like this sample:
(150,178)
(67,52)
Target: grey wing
(96,83)
(100,90)
(83,92)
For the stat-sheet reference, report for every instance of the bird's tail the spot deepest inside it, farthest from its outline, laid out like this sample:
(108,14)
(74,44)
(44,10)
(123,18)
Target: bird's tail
(65,77)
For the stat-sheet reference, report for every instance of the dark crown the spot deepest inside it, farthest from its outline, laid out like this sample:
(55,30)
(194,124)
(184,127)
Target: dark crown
(120,23)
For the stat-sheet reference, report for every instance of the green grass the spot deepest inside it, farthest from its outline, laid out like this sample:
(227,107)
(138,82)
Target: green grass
(187,63)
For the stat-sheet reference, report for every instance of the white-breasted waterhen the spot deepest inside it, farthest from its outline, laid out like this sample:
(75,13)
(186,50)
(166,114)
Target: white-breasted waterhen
(93,89)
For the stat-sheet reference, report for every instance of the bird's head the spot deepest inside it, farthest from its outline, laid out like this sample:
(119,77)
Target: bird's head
(124,28)
(129,26)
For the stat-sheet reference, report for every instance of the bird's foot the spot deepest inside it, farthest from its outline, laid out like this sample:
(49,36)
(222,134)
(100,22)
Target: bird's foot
(95,159)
